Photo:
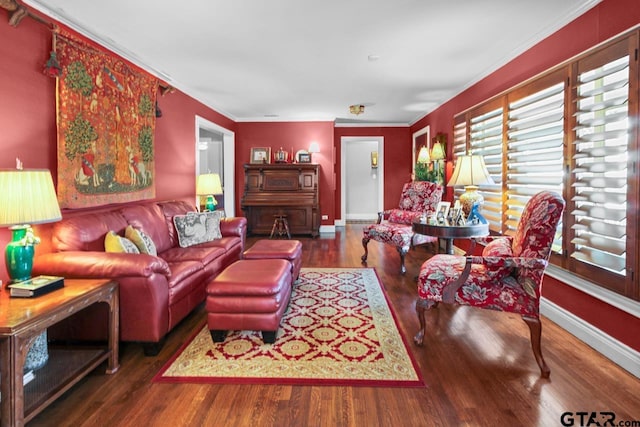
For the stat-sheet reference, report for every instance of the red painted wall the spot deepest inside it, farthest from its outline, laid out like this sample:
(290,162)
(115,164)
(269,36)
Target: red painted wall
(397,160)
(28,119)
(291,136)
(27,130)
(608,19)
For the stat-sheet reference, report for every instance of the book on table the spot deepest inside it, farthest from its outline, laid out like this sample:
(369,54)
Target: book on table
(36,286)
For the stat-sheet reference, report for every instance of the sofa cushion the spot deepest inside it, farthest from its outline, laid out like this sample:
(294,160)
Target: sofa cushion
(119,244)
(194,228)
(171,209)
(86,232)
(201,254)
(148,218)
(184,276)
(142,241)
(226,243)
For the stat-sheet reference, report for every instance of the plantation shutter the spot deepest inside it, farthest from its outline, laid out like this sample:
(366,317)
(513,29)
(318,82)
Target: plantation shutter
(600,165)
(485,139)
(534,147)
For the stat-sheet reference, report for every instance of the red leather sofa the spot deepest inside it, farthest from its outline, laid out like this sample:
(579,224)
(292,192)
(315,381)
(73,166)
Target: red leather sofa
(156,292)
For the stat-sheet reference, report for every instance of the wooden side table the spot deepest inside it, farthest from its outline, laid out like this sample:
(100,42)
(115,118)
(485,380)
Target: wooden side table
(22,320)
(451,232)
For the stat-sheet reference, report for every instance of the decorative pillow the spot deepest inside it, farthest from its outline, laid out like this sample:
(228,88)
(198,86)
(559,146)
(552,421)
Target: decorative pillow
(119,244)
(494,253)
(197,227)
(142,241)
(499,248)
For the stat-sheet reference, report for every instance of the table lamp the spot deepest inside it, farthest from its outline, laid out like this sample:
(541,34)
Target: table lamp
(437,157)
(27,197)
(314,147)
(471,172)
(209,184)
(422,170)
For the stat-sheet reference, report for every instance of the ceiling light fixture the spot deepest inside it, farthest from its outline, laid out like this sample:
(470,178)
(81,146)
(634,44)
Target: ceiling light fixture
(356,109)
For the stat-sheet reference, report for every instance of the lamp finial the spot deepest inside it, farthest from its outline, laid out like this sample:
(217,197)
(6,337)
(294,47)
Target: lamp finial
(18,163)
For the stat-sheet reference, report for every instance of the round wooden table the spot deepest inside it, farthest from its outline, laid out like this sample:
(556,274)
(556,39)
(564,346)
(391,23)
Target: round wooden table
(451,232)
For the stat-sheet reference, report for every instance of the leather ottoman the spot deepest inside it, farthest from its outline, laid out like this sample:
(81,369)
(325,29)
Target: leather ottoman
(249,295)
(290,250)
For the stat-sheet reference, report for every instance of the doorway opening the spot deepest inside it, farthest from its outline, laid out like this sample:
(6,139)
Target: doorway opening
(362,183)
(215,153)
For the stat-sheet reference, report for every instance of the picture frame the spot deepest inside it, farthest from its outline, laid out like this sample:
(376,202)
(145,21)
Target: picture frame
(304,158)
(442,211)
(260,155)
(456,216)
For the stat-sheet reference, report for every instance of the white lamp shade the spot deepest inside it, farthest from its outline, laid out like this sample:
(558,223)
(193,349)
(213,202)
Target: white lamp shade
(437,152)
(208,184)
(423,155)
(27,196)
(314,147)
(470,170)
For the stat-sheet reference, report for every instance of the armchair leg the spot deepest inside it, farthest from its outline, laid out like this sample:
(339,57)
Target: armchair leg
(402,253)
(422,305)
(365,241)
(535,328)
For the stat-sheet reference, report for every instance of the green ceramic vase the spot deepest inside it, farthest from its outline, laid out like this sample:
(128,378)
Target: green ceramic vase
(18,256)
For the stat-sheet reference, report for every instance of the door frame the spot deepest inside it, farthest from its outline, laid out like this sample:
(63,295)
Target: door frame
(343,167)
(228,147)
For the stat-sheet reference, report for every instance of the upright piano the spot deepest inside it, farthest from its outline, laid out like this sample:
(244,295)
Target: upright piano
(291,190)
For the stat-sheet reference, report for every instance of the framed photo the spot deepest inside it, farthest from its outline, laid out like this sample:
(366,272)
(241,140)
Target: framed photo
(442,211)
(456,216)
(260,155)
(304,158)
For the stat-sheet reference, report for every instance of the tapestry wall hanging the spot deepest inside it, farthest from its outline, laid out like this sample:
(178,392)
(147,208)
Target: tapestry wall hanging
(106,127)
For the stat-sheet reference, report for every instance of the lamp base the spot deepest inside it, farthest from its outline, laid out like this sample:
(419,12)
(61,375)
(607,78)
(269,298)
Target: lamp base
(469,198)
(18,255)
(210,204)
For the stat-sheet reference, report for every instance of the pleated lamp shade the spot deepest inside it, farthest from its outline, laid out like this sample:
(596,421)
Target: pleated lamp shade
(27,196)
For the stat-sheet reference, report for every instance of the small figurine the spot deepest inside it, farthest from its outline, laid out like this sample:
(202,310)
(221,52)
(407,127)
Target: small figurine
(474,217)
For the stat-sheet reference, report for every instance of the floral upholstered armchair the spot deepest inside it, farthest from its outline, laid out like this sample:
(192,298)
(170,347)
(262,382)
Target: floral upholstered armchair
(394,225)
(507,277)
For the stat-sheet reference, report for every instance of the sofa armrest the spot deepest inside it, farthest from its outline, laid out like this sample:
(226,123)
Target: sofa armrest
(234,226)
(99,264)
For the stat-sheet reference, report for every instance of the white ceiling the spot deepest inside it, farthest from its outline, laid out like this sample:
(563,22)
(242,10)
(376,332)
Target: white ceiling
(303,60)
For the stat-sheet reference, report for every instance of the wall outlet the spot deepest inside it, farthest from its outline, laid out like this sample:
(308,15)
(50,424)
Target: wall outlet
(325,216)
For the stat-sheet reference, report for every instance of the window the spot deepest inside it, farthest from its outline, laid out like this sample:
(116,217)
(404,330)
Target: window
(485,130)
(600,147)
(535,145)
(569,131)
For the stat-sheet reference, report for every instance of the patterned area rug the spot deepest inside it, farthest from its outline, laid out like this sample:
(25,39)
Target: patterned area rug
(338,330)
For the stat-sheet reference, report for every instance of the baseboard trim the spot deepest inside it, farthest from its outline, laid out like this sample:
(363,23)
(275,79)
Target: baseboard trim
(327,229)
(618,352)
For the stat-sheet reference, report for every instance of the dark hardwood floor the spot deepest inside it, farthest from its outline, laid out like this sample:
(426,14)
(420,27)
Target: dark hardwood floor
(477,364)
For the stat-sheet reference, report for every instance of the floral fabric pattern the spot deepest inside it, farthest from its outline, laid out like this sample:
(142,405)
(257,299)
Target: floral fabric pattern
(504,278)
(420,197)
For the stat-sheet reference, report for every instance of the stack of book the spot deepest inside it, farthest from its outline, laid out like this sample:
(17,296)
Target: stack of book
(36,286)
